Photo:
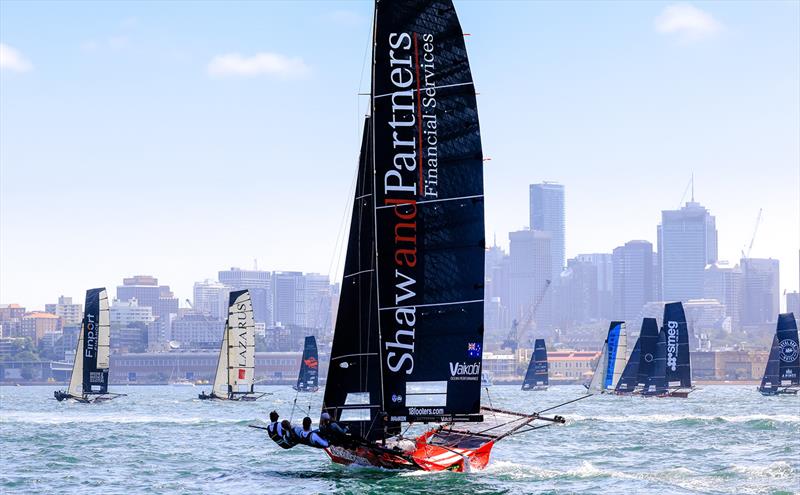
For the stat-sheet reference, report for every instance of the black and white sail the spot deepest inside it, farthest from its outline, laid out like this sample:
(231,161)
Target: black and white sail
(678,372)
(537,376)
(308,378)
(649,344)
(409,332)
(235,375)
(429,218)
(782,374)
(89,380)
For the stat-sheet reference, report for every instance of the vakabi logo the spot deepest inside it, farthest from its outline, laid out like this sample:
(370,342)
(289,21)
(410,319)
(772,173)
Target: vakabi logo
(397,398)
(788,352)
(464,369)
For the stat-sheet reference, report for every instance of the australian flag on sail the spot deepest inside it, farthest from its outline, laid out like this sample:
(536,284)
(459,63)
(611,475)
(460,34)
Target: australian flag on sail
(474,350)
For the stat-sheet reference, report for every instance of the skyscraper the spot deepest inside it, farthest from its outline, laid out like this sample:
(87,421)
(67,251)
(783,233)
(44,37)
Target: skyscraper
(211,298)
(687,242)
(723,282)
(259,282)
(528,275)
(288,292)
(547,215)
(605,282)
(761,289)
(633,278)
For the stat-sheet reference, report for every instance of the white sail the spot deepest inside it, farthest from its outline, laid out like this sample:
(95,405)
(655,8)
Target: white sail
(103,333)
(220,388)
(621,357)
(596,385)
(241,342)
(76,381)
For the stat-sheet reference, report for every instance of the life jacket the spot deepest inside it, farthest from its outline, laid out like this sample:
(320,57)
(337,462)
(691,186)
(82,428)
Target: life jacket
(281,440)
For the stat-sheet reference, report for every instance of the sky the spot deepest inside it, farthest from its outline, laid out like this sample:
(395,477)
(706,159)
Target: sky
(182,138)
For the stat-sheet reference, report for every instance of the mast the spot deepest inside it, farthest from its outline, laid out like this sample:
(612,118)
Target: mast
(678,369)
(428,213)
(94,345)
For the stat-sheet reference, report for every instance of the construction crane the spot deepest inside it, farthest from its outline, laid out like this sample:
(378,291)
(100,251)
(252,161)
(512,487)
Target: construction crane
(746,255)
(190,303)
(512,341)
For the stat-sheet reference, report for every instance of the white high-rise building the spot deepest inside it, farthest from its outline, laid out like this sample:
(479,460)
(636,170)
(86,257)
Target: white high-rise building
(70,314)
(528,275)
(687,243)
(547,214)
(211,298)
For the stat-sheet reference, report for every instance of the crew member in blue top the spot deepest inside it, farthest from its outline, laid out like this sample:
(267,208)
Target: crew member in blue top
(310,437)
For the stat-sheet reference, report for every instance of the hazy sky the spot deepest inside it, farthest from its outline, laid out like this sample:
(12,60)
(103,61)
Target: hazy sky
(177,139)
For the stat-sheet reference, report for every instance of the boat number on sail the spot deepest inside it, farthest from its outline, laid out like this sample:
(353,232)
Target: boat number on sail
(672,345)
(788,350)
(91,336)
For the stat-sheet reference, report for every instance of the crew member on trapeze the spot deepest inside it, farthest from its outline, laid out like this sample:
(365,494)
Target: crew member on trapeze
(310,437)
(280,433)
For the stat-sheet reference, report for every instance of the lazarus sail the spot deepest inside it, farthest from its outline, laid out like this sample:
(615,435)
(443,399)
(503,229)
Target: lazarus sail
(537,376)
(782,374)
(308,378)
(235,376)
(89,380)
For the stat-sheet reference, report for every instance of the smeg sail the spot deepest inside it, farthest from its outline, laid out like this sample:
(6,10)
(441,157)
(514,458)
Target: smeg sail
(678,372)
(407,345)
(612,360)
(782,374)
(537,376)
(235,375)
(308,378)
(89,380)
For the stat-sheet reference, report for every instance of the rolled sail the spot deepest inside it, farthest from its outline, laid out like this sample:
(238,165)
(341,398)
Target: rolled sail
(429,215)
(679,372)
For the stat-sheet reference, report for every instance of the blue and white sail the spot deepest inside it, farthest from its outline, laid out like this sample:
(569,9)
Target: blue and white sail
(612,360)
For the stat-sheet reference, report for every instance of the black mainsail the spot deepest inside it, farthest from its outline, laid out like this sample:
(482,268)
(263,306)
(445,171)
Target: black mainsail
(627,382)
(89,380)
(308,378)
(649,344)
(678,372)
(782,374)
(656,381)
(537,376)
(429,224)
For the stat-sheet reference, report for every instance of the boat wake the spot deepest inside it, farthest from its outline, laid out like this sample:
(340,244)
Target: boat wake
(682,418)
(50,419)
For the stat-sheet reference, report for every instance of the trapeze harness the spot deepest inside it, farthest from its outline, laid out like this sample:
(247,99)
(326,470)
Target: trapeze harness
(311,438)
(276,433)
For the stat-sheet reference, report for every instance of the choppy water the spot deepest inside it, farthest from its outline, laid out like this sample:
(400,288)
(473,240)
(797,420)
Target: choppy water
(723,439)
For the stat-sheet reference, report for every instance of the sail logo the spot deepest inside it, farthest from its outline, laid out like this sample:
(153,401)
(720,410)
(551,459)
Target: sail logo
(464,371)
(311,362)
(672,345)
(91,336)
(397,398)
(788,352)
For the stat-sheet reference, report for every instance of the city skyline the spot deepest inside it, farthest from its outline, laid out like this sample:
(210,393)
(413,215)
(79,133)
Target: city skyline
(142,116)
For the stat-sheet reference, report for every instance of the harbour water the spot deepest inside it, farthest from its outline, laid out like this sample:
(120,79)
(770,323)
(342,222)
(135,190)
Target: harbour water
(721,440)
